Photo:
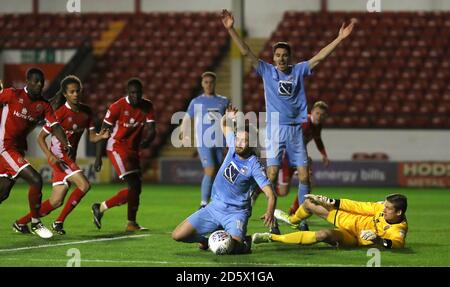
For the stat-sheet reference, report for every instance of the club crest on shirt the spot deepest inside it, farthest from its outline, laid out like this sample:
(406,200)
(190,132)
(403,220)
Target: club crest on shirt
(127,113)
(231,172)
(285,88)
(70,119)
(244,169)
(387,227)
(132,121)
(39,108)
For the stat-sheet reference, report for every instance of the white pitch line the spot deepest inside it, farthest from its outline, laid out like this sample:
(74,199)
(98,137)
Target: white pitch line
(190,263)
(73,243)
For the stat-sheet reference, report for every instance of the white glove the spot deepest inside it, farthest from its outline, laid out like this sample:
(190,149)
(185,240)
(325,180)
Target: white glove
(320,199)
(368,235)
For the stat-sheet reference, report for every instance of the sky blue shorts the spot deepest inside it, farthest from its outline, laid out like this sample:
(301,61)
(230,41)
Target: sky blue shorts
(210,156)
(289,138)
(217,216)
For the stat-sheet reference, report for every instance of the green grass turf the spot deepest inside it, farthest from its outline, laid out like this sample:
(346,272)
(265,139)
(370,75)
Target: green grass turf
(163,207)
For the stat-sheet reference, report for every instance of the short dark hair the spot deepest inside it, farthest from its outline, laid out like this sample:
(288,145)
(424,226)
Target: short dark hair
(70,79)
(399,201)
(134,82)
(34,71)
(283,45)
(321,105)
(209,74)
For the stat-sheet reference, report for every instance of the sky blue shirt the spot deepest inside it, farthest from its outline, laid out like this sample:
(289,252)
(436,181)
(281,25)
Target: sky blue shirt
(207,111)
(237,177)
(285,93)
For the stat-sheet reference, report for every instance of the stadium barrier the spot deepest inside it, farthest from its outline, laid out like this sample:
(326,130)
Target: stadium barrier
(338,173)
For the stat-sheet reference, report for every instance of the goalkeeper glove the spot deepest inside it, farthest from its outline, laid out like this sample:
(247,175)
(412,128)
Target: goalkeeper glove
(368,235)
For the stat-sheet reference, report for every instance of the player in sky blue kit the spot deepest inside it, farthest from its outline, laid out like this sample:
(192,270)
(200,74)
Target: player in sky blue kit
(286,104)
(230,207)
(207,110)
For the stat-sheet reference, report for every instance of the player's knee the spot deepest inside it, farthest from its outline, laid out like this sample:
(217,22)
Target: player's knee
(210,171)
(282,190)
(308,205)
(4,195)
(323,235)
(177,236)
(304,178)
(85,187)
(56,202)
(36,181)
(272,174)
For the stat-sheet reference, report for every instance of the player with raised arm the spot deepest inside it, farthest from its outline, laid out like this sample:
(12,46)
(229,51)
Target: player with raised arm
(358,223)
(74,117)
(285,99)
(206,110)
(230,207)
(22,111)
(126,119)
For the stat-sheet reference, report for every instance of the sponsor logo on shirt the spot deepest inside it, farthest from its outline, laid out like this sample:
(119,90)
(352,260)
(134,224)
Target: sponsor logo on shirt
(132,123)
(285,88)
(231,172)
(214,114)
(24,115)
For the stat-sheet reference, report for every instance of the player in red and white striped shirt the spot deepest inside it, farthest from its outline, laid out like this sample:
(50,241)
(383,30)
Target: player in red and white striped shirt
(75,118)
(22,110)
(126,119)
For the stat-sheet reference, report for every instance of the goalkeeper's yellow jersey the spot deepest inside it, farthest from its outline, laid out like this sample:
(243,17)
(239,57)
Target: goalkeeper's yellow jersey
(371,217)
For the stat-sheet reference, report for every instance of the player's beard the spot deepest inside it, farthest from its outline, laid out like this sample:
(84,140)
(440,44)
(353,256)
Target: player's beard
(244,152)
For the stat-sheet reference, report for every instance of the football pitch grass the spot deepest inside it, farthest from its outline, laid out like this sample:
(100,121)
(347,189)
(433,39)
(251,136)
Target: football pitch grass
(163,207)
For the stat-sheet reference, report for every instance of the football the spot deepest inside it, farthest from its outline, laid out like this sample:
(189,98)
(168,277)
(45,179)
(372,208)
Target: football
(220,242)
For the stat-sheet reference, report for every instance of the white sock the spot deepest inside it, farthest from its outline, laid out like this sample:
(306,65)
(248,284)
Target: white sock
(103,207)
(35,220)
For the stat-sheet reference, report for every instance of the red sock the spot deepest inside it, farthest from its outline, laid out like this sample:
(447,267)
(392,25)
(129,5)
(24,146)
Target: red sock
(73,200)
(34,200)
(294,206)
(133,204)
(46,208)
(120,198)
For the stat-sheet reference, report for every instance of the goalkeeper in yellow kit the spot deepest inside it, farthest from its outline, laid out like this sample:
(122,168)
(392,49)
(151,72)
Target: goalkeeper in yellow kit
(358,223)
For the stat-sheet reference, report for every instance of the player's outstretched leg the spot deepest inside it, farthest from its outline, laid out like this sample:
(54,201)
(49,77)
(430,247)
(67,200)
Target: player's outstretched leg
(185,232)
(98,209)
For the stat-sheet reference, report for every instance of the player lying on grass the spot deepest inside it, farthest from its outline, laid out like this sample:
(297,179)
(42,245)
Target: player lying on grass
(230,207)
(358,223)
(75,118)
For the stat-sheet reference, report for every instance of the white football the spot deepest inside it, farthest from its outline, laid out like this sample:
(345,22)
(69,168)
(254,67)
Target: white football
(220,242)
